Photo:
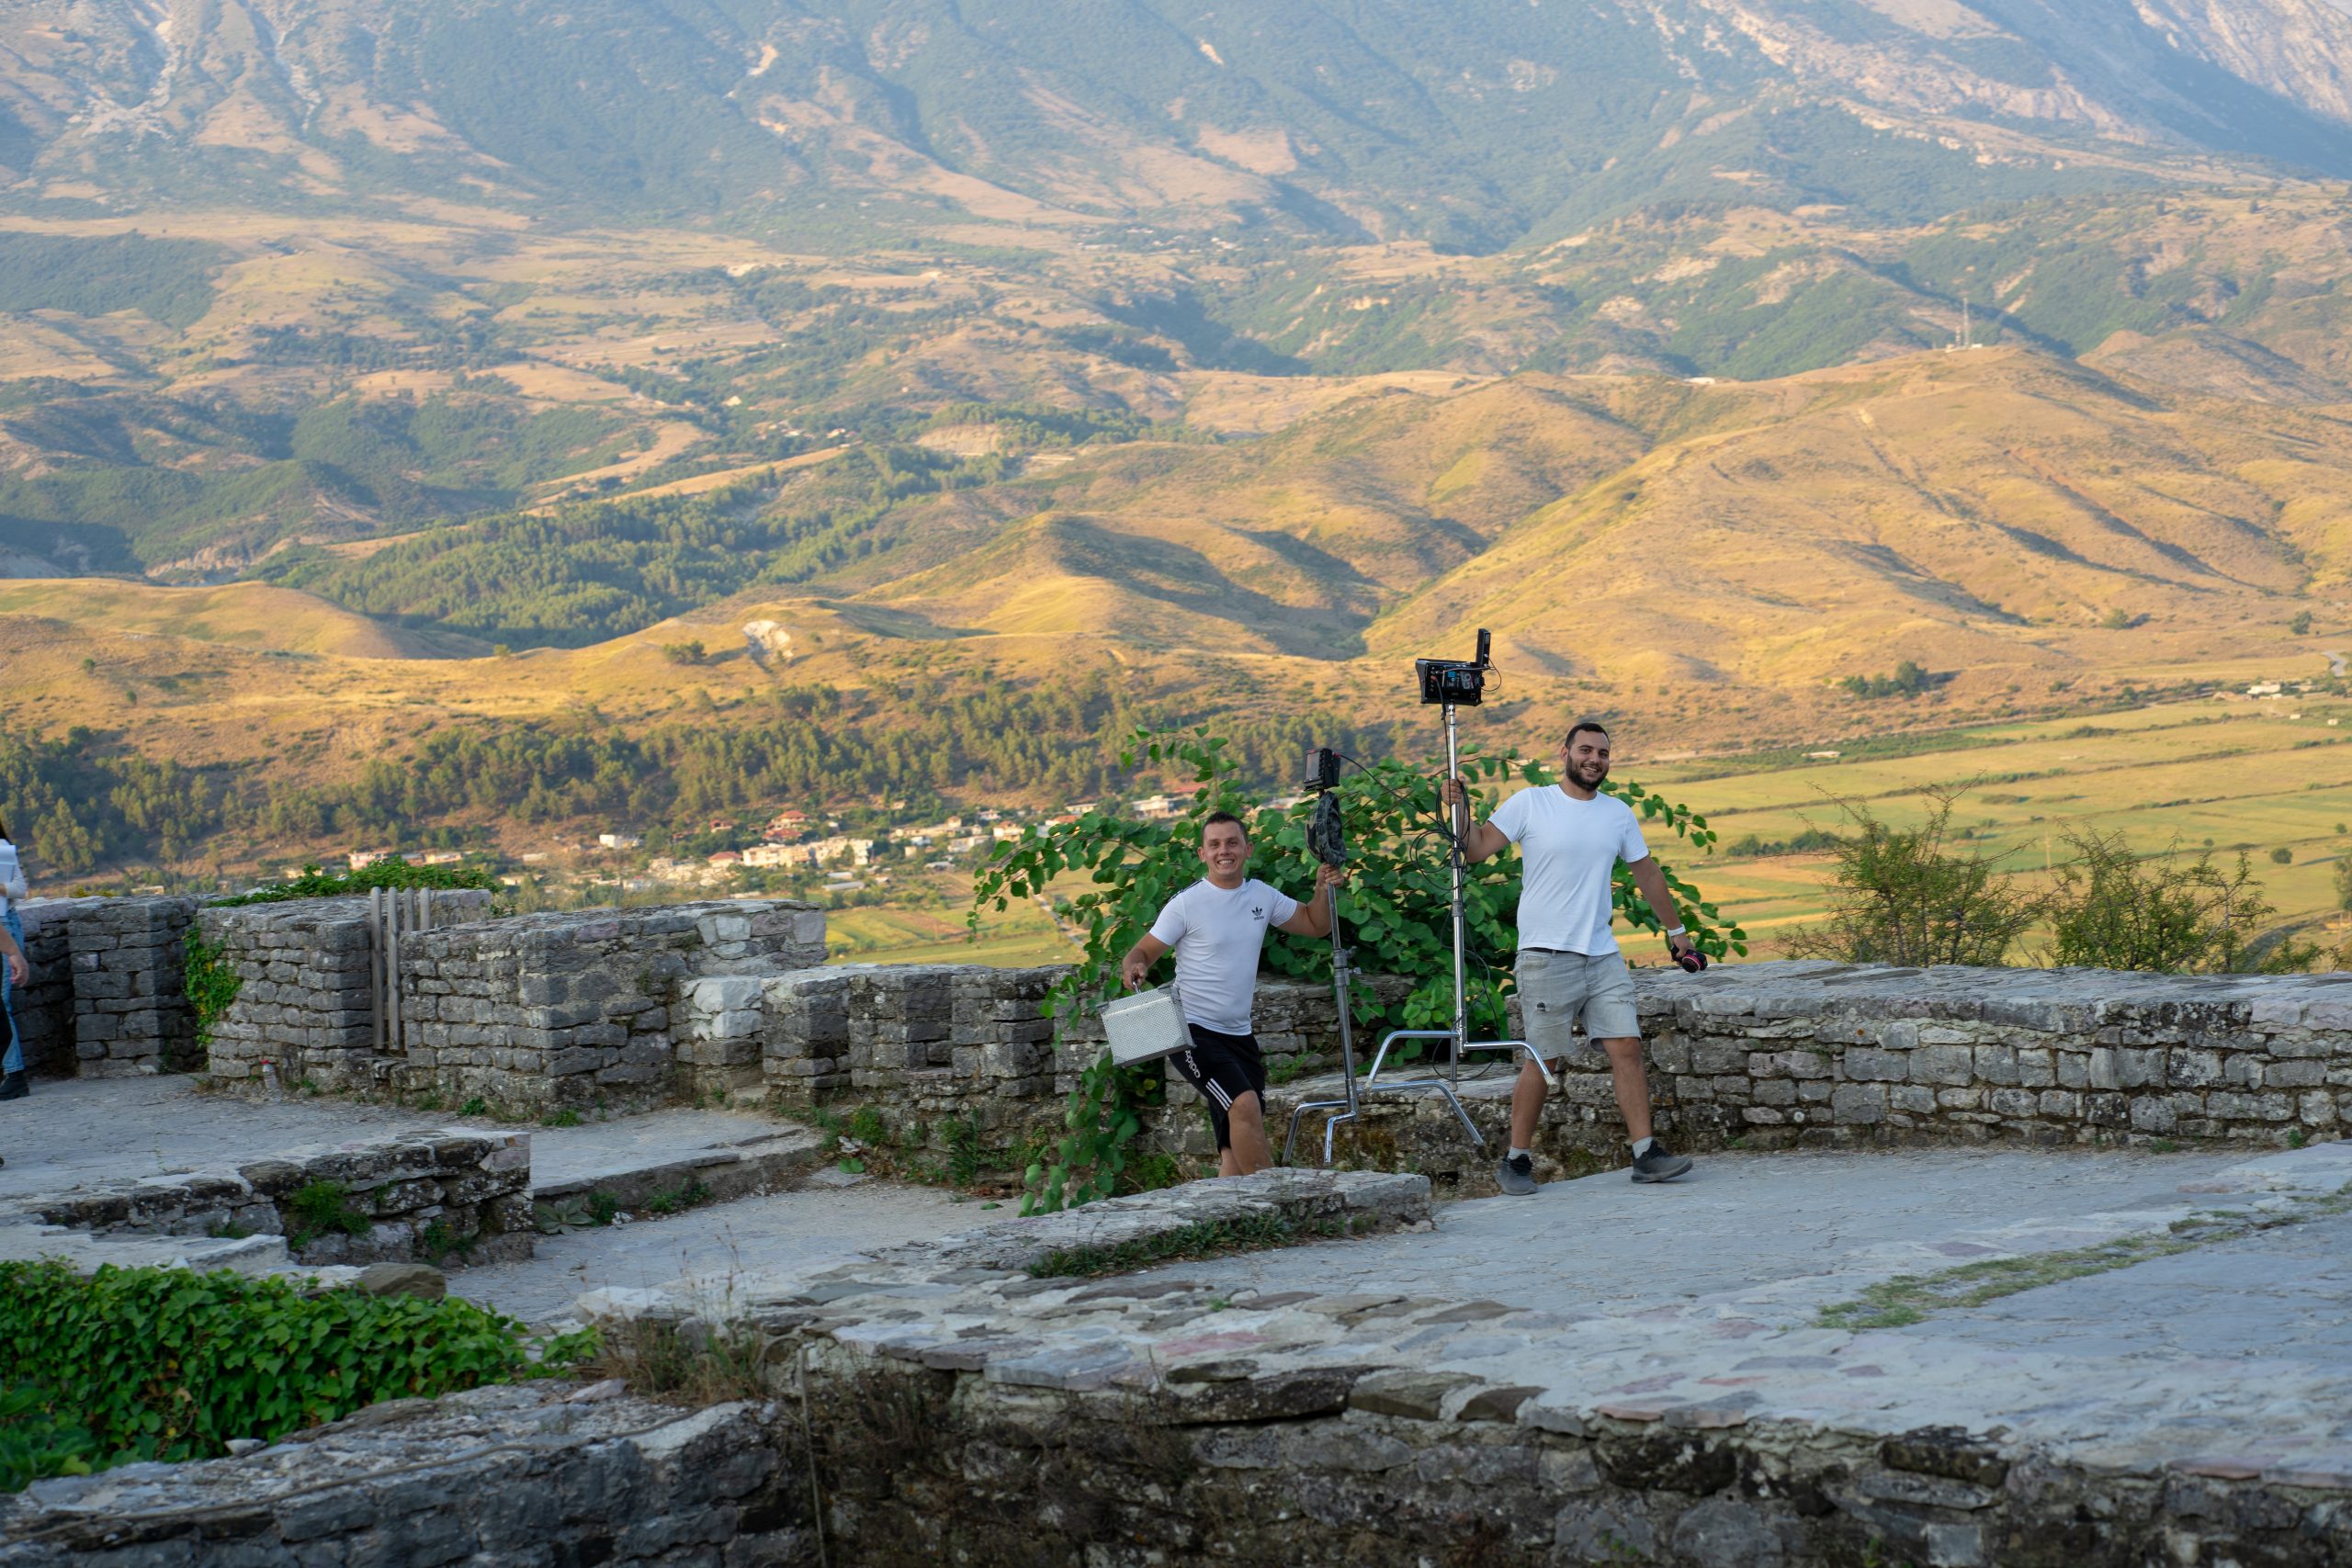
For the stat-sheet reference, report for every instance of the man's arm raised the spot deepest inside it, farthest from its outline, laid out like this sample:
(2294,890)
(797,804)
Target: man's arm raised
(1478,842)
(1314,917)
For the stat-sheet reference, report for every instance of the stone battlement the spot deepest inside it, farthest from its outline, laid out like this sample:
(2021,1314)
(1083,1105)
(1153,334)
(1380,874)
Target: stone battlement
(628,1009)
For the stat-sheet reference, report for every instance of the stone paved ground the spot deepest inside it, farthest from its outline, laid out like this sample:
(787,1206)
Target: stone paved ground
(75,1133)
(1734,1223)
(79,1131)
(1706,1299)
(816,1225)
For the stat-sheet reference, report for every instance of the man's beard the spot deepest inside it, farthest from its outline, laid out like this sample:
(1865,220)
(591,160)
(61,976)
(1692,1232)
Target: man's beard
(1589,774)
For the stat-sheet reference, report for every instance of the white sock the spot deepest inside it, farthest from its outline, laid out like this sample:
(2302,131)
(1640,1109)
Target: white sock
(1643,1147)
(1519,1154)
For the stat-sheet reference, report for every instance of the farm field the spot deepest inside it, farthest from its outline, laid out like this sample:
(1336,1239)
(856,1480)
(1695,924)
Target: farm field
(2231,774)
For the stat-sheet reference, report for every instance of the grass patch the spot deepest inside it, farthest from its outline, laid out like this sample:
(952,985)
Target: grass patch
(1911,1298)
(323,1208)
(678,1199)
(1207,1238)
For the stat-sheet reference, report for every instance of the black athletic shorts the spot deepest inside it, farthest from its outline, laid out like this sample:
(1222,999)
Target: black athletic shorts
(1223,1067)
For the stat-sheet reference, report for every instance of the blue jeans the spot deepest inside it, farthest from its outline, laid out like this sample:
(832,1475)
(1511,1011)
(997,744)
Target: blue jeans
(15,1060)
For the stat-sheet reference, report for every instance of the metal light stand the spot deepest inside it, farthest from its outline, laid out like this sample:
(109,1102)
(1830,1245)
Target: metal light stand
(1460,1033)
(1340,968)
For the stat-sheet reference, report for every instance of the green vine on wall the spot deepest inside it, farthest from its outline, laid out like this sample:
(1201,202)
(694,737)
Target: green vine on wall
(1395,907)
(212,984)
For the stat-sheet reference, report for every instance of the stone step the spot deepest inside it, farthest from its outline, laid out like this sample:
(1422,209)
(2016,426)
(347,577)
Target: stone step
(85,1252)
(730,1155)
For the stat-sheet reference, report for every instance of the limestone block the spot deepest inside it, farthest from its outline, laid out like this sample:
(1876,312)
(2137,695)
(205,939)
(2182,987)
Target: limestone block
(1859,1104)
(1866,1065)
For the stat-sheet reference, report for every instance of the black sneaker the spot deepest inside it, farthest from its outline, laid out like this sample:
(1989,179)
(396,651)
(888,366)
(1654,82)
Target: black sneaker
(14,1087)
(1659,1164)
(1516,1175)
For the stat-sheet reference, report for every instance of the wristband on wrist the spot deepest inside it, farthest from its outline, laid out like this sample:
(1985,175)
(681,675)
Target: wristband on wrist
(1677,931)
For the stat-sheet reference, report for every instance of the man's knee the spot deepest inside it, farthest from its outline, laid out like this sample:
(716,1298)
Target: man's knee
(1623,1050)
(1245,1112)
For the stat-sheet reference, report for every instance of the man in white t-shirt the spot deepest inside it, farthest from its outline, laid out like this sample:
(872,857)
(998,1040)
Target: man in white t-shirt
(1572,837)
(1217,928)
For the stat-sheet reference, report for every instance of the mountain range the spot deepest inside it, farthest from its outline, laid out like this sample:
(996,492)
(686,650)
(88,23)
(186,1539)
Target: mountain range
(1712,352)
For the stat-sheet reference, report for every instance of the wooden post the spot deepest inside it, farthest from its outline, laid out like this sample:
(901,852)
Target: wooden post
(376,962)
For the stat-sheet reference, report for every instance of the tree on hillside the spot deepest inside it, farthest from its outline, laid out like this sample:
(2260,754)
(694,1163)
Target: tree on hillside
(2111,909)
(1902,897)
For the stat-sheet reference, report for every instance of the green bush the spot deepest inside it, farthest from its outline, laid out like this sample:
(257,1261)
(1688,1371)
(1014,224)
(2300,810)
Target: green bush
(212,986)
(36,1441)
(1394,907)
(320,1209)
(166,1364)
(1901,897)
(390,871)
(2111,909)
(1908,680)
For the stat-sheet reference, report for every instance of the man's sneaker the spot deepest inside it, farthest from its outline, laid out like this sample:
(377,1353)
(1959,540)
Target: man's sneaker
(1657,1164)
(1516,1175)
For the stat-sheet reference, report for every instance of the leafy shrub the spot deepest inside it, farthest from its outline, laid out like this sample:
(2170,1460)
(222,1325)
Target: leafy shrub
(1908,680)
(2282,856)
(166,1364)
(1901,897)
(1395,907)
(390,871)
(37,1440)
(2343,879)
(2111,909)
(212,986)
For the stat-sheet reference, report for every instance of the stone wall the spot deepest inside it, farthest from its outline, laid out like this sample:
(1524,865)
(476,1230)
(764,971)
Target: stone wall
(531,1474)
(307,1000)
(43,1006)
(476,1186)
(576,1009)
(937,1047)
(130,1012)
(1822,1054)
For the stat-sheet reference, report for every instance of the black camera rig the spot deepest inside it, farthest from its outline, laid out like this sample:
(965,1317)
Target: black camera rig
(1457,683)
(1325,840)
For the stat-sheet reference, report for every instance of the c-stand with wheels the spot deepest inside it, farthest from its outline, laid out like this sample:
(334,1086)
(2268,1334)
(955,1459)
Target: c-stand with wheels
(1447,684)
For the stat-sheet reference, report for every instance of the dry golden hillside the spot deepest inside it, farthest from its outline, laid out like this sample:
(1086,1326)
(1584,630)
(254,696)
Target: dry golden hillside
(1708,560)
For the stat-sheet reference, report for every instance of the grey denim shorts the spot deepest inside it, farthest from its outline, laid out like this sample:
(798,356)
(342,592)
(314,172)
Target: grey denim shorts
(1558,990)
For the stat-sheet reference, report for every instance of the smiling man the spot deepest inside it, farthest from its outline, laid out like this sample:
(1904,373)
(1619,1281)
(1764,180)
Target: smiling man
(1217,928)
(1569,969)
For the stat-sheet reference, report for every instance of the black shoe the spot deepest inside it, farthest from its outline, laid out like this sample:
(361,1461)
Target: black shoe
(1516,1175)
(14,1087)
(1659,1165)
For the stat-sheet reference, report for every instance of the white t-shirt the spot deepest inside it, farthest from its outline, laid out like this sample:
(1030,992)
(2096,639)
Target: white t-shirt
(1572,848)
(1218,935)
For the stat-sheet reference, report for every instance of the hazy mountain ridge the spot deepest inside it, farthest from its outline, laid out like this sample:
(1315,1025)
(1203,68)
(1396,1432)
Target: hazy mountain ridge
(1365,122)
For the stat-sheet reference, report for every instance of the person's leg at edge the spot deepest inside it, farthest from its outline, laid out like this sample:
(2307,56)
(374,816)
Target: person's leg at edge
(1633,1084)
(1526,1104)
(13,1064)
(1250,1152)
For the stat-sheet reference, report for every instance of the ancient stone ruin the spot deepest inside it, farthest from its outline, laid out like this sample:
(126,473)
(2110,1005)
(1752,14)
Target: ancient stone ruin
(1117,1384)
